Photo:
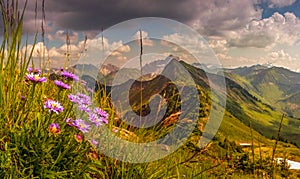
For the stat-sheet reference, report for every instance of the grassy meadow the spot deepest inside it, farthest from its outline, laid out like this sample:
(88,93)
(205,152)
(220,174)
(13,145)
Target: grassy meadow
(41,135)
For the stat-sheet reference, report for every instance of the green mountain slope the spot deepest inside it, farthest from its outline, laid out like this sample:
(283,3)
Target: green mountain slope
(276,85)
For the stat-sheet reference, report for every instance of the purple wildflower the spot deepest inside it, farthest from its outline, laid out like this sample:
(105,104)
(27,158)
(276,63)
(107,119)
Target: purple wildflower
(69,75)
(84,99)
(84,108)
(62,84)
(73,98)
(35,78)
(101,112)
(54,128)
(80,99)
(95,119)
(35,71)
(53,106)
(81,125)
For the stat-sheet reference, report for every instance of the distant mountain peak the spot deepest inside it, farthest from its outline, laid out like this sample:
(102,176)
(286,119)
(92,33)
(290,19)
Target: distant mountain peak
(106,69)
(268,65)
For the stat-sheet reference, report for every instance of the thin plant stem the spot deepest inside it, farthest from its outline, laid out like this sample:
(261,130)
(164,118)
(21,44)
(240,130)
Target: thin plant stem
(276,142)
(141,78)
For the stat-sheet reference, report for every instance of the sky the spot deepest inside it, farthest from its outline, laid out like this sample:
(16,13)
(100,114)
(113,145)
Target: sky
(240,33)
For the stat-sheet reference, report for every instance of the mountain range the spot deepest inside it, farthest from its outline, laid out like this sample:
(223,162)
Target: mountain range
(257,96)
(276,86)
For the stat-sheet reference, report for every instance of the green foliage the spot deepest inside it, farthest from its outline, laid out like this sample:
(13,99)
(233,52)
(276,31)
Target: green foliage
(27,147)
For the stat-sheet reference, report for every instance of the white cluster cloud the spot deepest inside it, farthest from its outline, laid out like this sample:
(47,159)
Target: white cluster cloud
(190,43)
(98,50)
(277,58)
(280,3)
(89,51)
(62,35)
(277,29)
(117,51)
(280,56)
(38,50)
(218,45)
(146,40)
(228,61)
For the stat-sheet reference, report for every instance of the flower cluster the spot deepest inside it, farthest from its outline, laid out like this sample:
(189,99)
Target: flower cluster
(91,116)
(96,116)
(83,101)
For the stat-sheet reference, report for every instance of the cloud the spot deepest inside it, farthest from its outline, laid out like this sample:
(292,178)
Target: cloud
(277,58)
(97,14)
(280,3)
(218,45)
(191,43)
(218,18)
(190,48)
(39,50)
(209,17)
(228,61)
(62,36)
(146,40)
(226,25)
(91,50)
(280,56)
(264,33)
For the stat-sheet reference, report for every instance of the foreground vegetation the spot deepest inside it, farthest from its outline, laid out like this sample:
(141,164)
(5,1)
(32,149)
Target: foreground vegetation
(42,137)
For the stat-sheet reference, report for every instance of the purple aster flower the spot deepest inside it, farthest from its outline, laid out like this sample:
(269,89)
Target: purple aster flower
(101,112)
(53,106)
(81,125)
(35,78)
(62,84)
(73,98)
(95,119)
(80,99)
(84,99)
(54,128)
(69,75)
(84,108)
(35,71)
